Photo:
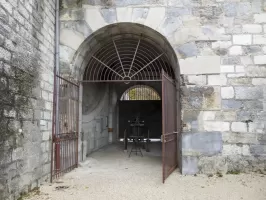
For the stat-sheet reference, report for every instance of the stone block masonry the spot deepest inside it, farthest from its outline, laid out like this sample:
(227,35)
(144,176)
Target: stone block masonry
(221,49)
(26,88)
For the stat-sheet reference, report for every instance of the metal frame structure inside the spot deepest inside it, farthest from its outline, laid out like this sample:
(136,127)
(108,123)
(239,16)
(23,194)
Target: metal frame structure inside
(127,59)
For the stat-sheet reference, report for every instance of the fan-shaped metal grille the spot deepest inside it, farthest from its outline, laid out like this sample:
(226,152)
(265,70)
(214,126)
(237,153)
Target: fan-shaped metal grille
(127,59)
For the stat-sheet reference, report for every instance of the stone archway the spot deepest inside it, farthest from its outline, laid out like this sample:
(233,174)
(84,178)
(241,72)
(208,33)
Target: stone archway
(149,53)
(83,28)
(82,55)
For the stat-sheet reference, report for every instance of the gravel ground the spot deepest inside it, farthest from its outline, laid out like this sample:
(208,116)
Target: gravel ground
(110,174)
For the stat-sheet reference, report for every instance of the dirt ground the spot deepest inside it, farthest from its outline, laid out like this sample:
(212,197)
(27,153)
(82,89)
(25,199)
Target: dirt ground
(109,174)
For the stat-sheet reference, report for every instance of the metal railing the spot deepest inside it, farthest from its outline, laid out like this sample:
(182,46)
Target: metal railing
(65,129)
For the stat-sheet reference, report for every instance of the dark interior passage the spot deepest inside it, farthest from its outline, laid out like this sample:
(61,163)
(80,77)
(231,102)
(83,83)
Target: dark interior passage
(148,111)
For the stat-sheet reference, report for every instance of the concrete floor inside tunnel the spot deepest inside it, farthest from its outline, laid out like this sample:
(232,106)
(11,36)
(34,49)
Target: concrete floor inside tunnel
(113,158)
(115,152)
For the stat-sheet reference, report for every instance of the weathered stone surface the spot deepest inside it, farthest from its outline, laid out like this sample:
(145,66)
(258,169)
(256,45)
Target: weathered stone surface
(239,127)
(188,50)
(212,101)
(229,149)
(189,165)
(252,28)
(236,50)
(231,60)
(253,105)
(124,14)
(257,128)
(242,39)
(259,39)
(252,49)
(258,149)
(28,35)
(221,44)
(239,138)
(259,81)
(261,137)
(260,18)
(123,2)
(256,71)
(227,92)
(216,126)
(231,104)
(260,60)
(155,17)
(170,25)
(71,38)
(230,9)
(247,116)
(216,80)
(194,144)
(139,15)
(94,19)
(78,26)
(109,15)
(197,79)
(202,97)
(248,93)
(239,81)
(200,65)
(239,68)
(225,116)
(227,68)
(212,165)
(207,115)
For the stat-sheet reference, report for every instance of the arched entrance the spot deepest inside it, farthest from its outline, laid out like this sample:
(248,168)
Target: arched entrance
(126,56)
(111,61)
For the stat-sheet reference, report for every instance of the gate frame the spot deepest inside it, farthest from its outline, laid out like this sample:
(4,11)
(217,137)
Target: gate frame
(176,134)
(55,142)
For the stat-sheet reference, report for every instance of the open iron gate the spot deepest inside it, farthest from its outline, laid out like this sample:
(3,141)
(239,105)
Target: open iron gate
(65,128)
(170,124)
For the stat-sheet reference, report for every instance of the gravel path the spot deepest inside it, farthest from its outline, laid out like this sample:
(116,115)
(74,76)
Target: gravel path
(109,174)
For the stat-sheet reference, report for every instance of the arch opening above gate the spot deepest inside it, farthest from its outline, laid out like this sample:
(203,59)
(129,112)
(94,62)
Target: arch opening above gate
(125,52)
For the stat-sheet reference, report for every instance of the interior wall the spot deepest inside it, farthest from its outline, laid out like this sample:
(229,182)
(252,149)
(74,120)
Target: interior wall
(95,111)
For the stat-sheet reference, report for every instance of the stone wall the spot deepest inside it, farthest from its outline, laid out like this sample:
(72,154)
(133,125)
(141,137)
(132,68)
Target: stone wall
(26,86)
(95,110)
(221,51)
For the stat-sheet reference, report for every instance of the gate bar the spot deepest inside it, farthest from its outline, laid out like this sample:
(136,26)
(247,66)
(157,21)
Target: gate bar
(71,82)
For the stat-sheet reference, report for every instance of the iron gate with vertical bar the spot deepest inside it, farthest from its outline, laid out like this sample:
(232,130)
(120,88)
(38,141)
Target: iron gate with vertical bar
(169,120)
(65,129)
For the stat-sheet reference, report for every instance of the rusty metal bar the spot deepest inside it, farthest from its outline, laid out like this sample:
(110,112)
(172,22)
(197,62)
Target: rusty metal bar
(65,142)
(170,126)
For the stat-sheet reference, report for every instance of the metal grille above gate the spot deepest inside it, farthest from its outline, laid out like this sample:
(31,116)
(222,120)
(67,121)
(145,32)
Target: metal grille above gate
(65,129)
(127,59)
